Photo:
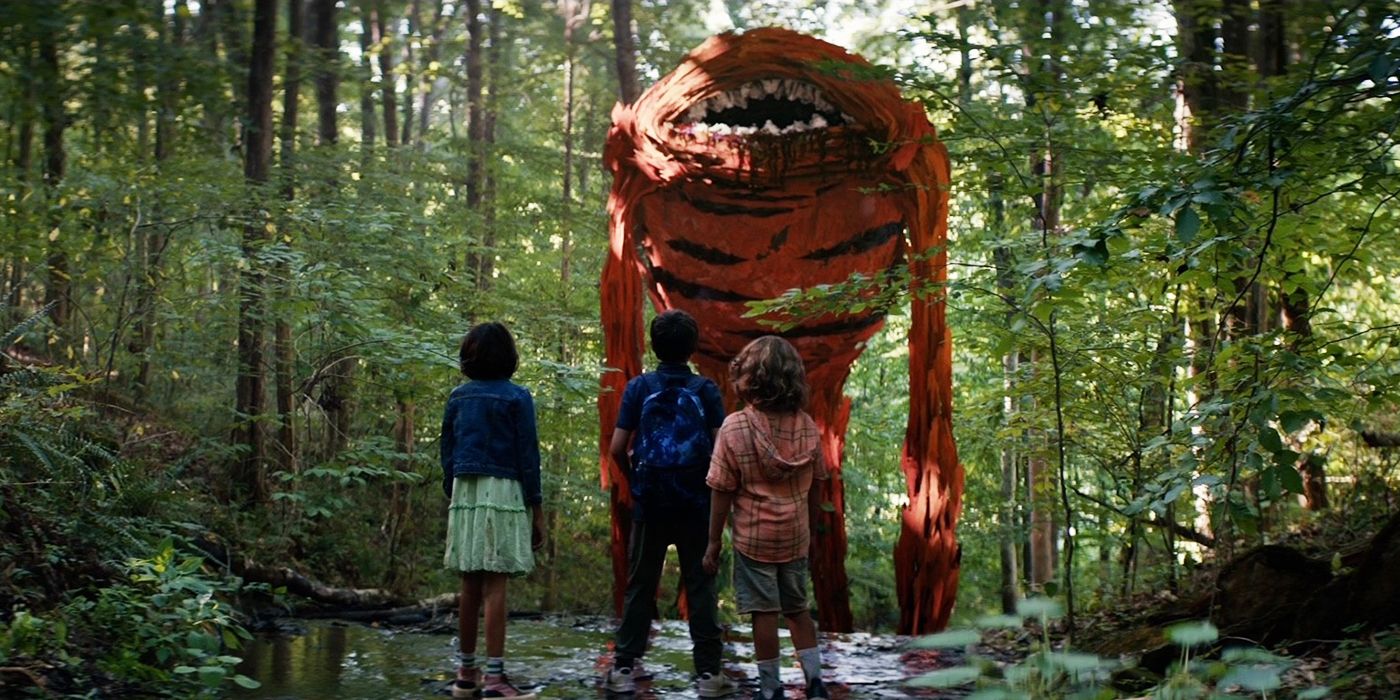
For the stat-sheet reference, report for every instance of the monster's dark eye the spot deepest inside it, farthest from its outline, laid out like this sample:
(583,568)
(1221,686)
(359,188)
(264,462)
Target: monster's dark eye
(770,106)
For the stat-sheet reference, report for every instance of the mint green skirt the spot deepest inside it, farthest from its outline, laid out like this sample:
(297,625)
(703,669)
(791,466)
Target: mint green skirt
(488,527)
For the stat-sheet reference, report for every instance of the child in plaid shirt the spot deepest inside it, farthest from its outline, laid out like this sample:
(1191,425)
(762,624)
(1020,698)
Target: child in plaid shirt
(766,461)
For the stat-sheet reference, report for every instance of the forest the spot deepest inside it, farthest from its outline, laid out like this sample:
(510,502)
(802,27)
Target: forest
(243,239)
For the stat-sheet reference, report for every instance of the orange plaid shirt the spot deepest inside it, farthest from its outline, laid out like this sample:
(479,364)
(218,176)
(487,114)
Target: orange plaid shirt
(768,461)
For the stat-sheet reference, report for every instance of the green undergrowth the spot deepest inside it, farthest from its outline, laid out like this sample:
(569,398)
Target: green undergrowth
(99,595)
(1051,670)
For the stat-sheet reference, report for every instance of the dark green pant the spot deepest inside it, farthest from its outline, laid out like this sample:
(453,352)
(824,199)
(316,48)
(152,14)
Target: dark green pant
(646,554)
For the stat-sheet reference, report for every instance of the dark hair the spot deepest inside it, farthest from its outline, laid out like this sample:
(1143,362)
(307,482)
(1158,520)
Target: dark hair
(488,352)
(674,336)
(768,375)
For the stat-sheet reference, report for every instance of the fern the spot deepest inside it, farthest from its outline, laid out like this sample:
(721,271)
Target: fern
(14,334)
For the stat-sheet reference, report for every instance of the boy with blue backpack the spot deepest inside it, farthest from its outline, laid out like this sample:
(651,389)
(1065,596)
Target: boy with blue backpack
(669,418)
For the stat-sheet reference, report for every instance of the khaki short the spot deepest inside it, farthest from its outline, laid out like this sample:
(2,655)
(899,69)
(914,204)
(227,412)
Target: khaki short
(764,587)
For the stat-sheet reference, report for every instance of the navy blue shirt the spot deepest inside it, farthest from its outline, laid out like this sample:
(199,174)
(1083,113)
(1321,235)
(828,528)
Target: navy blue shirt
(488,428)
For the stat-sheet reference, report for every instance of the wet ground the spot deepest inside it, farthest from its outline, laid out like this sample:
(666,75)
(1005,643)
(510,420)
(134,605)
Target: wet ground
(557,657)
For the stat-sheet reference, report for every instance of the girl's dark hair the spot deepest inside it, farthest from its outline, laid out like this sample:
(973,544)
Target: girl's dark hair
(674,336)
(768,375)
(488,352)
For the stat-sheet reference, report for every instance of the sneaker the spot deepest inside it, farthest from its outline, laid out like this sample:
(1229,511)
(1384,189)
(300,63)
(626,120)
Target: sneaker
(817,689)
(777,694)
(621,680)
(467,683)
(496,685)
(639,672)
(716,685)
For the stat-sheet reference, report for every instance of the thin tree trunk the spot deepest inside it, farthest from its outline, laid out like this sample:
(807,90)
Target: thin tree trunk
(287,451)
(326,39)
(400,495)
(388,83)
(152,240)
(496,84)
(475,132)
(23,161)
(367,119)
(629,88)
(415,29)
(59,283)
(429,74)
(249,477)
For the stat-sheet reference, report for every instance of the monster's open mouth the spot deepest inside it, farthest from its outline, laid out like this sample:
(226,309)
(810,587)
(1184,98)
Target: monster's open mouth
(772,106)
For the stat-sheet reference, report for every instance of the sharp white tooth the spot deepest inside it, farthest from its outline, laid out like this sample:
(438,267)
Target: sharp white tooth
(770,128)
(847,119)
(771,85)
(720,130)
(795,127)
(744,130)
(809,95)
(701,130)
(818,121)
(741,101)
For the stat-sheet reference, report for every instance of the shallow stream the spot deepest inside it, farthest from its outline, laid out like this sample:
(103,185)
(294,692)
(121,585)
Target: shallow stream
(559,657)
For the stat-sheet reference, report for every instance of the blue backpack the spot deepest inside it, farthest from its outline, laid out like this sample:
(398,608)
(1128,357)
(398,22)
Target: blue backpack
(671,448)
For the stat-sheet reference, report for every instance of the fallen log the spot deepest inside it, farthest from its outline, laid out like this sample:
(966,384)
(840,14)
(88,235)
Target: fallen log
(292,581)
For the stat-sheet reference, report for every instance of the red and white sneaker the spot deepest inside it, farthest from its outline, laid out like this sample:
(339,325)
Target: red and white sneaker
(467,684)
(496,685)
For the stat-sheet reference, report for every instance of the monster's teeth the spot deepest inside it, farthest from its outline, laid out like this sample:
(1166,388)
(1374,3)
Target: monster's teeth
(795,127)
(770,128)
(696,113)
(720,130)
(740,101)
(818,121)
(772,85)
(744,131)
(700,130)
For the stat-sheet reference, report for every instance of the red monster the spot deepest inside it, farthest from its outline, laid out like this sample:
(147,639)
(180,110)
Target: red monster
(768,161)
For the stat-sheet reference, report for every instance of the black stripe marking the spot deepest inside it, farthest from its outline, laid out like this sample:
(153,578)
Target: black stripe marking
(834,328)
(726,209)
(693,290)
(868,240)
(704,253)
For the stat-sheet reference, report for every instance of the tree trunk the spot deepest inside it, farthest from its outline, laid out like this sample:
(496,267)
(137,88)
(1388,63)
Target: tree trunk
(415,29)
(59,283)
(387,82)
(24,156)
(367,119)
(496,84)
(287,453)
(629,88)
(475,132)
(400,495)
(249,477)
(153,240)
(430,57)
(326,39)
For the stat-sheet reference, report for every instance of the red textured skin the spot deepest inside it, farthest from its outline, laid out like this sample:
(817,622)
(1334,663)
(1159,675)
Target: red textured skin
(708,225)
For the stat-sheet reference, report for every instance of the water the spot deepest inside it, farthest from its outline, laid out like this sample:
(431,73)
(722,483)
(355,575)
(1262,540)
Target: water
(559,657)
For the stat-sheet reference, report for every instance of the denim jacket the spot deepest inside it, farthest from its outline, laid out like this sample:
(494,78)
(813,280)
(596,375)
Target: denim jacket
(488,428)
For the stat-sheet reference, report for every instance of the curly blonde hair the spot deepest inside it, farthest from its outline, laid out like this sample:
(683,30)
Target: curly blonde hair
(768,375)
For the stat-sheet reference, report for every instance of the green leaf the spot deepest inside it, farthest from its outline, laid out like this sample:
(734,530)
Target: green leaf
(246,682)
(1075,663)
(1039,607)
(987,622)
(1314,693)
(1270,440)
(1379,68)
(1188,223)
(947,677)
(1188,634)
(1290,478)
(1255,679)
(947,640)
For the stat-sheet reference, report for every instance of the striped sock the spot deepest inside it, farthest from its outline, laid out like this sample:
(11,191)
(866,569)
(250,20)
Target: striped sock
(466,660)
(768,681)
(811,660)
(495,666)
